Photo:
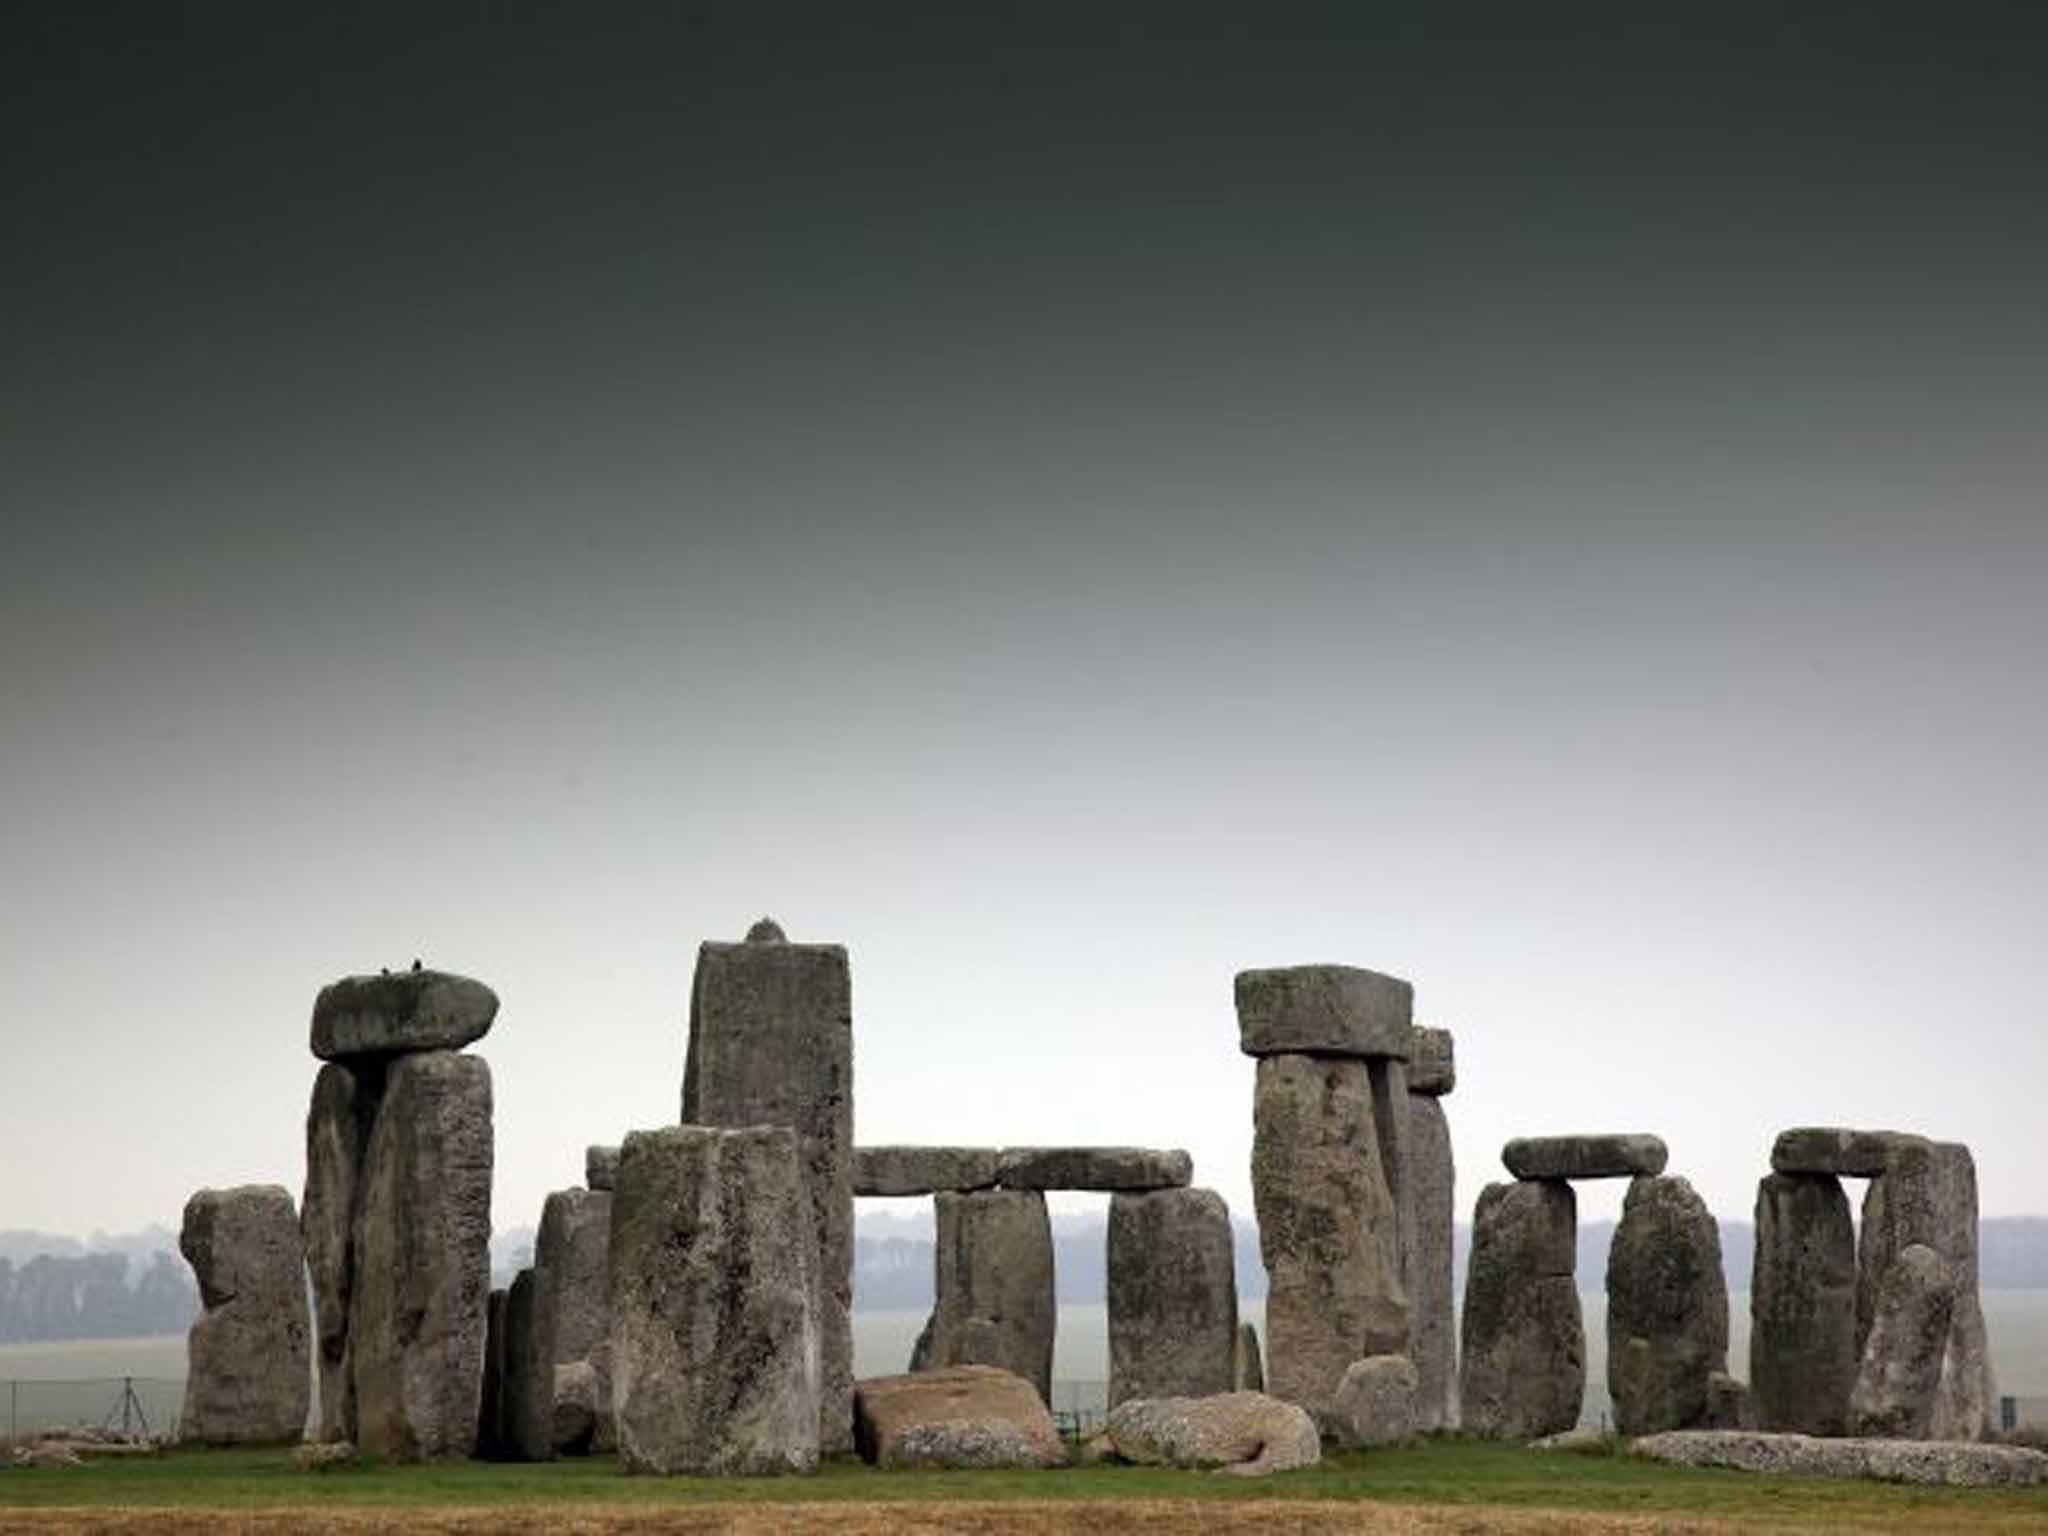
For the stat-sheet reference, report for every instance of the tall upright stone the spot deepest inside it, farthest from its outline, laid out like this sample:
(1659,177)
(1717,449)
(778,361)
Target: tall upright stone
(1432,1179)
(1667,1308)
(417,1319)
(337,1138)
(715,1357)
(1900,1370)
(527,1386)
(248,1380)
(572,1278)
(771,1043)
(1927,1195)
(1522,1357)
(1328,1227)
(1172,1295)
(1802,1302)
(994,1302)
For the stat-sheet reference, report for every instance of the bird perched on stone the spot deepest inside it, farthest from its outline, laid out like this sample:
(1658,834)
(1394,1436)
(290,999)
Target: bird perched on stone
(415,962)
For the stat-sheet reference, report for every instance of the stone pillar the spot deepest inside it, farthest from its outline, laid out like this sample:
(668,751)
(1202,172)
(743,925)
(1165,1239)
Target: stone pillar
(366,1028)
(491,1444)
(1900,1371)
(422,1286)
(528,1383)
(1329,1216)
(1172,1296)
(1802,1302)
(248,1379)
(572,1276)
(994,1302)
(771,1043)
(715,1357)
(1522,1355)
(1248,1361)
(1432,1181)
(1667,1308)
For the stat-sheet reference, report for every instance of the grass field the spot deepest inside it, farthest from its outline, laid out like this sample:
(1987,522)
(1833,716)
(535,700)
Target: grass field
(1441,1485)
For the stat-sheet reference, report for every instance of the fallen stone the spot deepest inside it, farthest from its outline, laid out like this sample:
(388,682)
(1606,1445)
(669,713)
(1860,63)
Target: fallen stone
(715,1357)
(1376,1401)
(1247,1433)
(601,1168)
(1937,1463)
(1833,1150)
(1893,1398)
(902,1171)
(1727,1403)
(1667,1308)
(48,1453)
(1802,1303)
(1337,1010)
(1585,1157)
(400,1012)
(418,1309)
(993,1280)
(1522,1355)
(1172,1295)
(1432,1062)
(960,1416)
(1247,1361)
(1328,1227)
(338,1121)
(324,1457)
(248,1379)
(1109,1169)
(1432,1296)
(771,1043)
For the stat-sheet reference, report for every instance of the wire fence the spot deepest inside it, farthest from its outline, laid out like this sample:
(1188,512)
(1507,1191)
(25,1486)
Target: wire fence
(1079,1408)
(126,1405)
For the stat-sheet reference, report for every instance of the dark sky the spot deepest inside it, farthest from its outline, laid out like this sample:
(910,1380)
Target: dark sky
(1547,502)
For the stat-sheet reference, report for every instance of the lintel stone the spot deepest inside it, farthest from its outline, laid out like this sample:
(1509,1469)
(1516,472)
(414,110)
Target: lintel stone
(1329,1010)
(1585,1157)
(902,1170)
(1094,1168)
(1831,1149)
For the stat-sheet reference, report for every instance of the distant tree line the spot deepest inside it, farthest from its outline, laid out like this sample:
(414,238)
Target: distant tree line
(88,1296)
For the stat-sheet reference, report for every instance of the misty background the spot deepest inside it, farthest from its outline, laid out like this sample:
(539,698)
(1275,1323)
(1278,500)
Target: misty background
(1069,507)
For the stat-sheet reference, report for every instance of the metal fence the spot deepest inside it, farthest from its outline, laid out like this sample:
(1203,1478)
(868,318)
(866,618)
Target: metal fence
(145,1405)
(1079,1407)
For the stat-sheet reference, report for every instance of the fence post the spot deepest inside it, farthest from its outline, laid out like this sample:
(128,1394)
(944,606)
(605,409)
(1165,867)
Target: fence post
(2008,1414)
(13,1411)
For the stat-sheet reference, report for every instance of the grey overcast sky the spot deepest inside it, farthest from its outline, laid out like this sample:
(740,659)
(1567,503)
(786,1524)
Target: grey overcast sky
(1548,503)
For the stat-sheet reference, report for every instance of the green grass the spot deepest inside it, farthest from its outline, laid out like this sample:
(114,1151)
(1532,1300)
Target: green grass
(1441,1472)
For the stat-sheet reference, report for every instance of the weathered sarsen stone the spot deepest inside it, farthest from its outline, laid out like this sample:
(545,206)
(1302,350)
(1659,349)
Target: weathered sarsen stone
(901,1171)
(1432,1062)
(1667,1308)
(1432,1299)
(1172,1295)
(714,1309)
(249,1361)
(1890,1461)
(528,1384)
(572,1297)
(600,1168)
(1802,1302)
(1585,1156)
(993,1285)
(423,1269)
(1246,1433)
(1376,1401)
(1901,1367)
(1522,1357)
(1833,1149)
(962,1415)
(1108,1169)
(1327,1227)
(1247,1360)
(771,1043)
(400,1012)
(1338,1010)
(338,1124)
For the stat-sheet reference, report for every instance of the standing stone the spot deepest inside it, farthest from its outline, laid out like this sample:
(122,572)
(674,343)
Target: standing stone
(1172,1295)
(1432,1062)
(1667,1308)
(1901,1369)
(1802,1302)
(572,1282)
(714,1307)
(1328,1228)
(491,1444)
(600,1168)
(529,1380)
(993,1283)
(1376,1401)
(423,1265)
(1522,1358)
(1927,1195)
(1432,1297)
(337,1138)
(1248,1362)
(249,1373)
(771,1043)
(1390,1119)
